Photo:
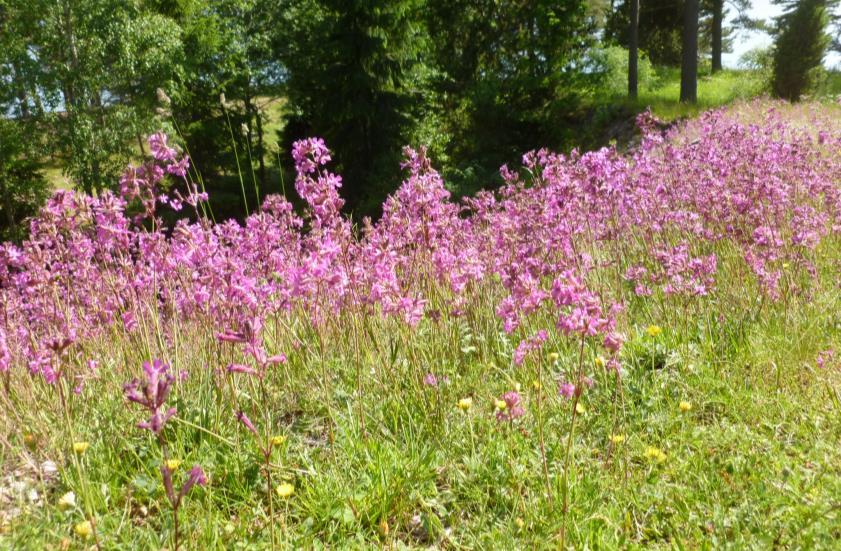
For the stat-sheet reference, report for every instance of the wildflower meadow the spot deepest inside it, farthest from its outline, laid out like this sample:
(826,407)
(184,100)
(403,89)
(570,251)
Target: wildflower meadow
(617,349)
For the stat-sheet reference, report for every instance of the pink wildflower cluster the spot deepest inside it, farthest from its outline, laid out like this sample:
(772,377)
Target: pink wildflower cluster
(540,245)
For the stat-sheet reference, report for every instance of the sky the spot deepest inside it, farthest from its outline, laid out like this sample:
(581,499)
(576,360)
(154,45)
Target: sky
(746,41)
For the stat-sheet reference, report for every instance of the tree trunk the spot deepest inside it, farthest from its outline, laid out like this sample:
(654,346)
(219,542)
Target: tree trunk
(689,54)
(250,111)
(70,96)
(20,92)
(718,16)
(633,50)
(260,154)
(8,206)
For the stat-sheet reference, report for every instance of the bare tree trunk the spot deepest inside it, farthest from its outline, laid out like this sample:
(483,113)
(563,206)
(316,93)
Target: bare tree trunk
(633,50)
(11,223)
(718,16)
(260,148)
(250,112)
(20,92)
(70,98)
(689,61)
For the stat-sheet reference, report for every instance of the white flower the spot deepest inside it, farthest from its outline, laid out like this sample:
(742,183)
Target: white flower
(67,501)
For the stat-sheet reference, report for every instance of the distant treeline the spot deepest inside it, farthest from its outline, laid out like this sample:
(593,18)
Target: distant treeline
(82,82)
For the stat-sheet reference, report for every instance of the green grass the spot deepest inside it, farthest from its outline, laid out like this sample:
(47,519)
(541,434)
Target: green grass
(754,464)
(379,460)
(715,90)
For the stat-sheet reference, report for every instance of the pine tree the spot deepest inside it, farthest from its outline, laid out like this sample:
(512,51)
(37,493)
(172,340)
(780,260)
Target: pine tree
(801,43)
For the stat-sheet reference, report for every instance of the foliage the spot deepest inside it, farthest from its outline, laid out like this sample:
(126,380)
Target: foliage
(22,184)
(611,65)
(88,73)
(510,74)
(352,73)
(800,46)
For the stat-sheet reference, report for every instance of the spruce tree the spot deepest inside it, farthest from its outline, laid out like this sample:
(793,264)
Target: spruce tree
(801,43)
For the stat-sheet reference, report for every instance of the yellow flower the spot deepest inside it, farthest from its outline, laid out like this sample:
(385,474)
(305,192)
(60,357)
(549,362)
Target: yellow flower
(553,356)
(599,361)
(536,384)
(465,403)
(654,330)
(500,405)
(519,522)
(617,438)
(67,500)
(172,464)
(84,529)
(655,454)
(278,440)
(685,406)
(80,447)
(285,490)
(30,441)
(580,409)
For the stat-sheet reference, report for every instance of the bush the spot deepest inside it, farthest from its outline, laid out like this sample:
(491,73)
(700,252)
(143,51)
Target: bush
(611,65)
(761,61)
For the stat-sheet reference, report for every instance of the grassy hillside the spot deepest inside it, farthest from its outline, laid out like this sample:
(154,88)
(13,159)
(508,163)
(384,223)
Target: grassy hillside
(694,403)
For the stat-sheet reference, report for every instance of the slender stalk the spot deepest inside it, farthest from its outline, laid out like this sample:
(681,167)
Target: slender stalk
(570,438)
(236,157)
(77,465)
(540,421)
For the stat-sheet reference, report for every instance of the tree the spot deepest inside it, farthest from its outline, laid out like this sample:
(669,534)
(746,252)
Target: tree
(22,184)
(801,43)
(717,18)
(660,24)
(689,53)
(89,71)
(660,28)
(510,73)
(713,30)
(633,49)
(352,69)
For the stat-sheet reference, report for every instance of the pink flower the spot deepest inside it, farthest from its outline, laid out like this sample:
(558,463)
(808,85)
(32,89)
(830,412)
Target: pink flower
(513,410)
(151,393)
(243,418)
(567,390)
(240,368)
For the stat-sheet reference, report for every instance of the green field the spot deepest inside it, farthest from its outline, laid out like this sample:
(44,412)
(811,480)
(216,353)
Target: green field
(723,431)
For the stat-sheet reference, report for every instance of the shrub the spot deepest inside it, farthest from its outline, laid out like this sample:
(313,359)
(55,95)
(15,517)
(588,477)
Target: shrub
(611,65)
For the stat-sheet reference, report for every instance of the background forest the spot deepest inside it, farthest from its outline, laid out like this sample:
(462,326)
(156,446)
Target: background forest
(479,82)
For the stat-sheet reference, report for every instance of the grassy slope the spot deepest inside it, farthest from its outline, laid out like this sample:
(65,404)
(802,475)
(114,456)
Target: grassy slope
(713,91)
(755,462)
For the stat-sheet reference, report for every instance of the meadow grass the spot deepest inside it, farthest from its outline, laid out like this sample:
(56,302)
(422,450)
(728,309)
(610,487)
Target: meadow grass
(754,461)
(722,431)
(716,90)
